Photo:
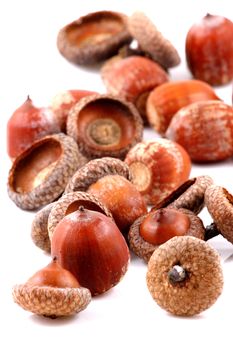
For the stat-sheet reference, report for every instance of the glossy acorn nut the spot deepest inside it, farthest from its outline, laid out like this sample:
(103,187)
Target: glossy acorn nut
(190,195)
(52,292)
(40,174)
(209,50)
(204,129)
(158,168)
(219,203)
(104,126)
(165,100)
(185,276)
(149,231)
(90,245)
(133,78)
(27,125)
(151,40)
(94,37)
(64,101)
(121,197)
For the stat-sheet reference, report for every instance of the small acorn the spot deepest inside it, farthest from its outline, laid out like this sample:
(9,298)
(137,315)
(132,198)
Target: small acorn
(52,292)
(185,276)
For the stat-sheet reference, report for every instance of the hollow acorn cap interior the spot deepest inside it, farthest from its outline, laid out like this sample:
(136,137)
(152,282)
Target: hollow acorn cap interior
(39,175)
(94,37)
(104,125)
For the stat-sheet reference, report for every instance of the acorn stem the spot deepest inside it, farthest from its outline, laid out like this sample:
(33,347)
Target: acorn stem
(81,208)
(177,274)
(211,231)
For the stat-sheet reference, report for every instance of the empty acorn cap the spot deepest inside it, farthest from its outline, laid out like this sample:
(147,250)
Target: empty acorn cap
(39,175)
(94,37)
(190,195)
(104,126)
(185,276)
(71,202)
(144,249)
(94,170)
(152,41)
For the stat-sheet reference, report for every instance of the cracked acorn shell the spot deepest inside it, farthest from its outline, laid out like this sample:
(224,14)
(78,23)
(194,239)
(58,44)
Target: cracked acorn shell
(151,40)
(164,223)
(39,175)
(219,203)
(175,276)
(190,195)
(52,292)
(104,126)
(165,100)
(94,170)
(204,129)
(158,168)
(94,37)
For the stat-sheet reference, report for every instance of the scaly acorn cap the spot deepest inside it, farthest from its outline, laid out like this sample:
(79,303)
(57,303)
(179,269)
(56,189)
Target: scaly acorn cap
(40,174)
(152,41)
(185,276)
(94,170)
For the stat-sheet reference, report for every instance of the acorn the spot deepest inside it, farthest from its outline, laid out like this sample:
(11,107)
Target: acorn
(52,292)
(104,126)
(149,231)
(39,175)
(94,37)
(151,40)
(185,276)
(90,245)
(158,168)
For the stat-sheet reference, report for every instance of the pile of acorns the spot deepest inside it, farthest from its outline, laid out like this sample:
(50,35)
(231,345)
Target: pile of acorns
(83,163)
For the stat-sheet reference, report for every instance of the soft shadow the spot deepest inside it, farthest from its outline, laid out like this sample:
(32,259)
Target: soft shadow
(194,317)
(47,321)
(229,259)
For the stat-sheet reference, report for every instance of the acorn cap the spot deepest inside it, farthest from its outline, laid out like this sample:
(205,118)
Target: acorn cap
(104,126)
(94,170)
(152,41)
(190,195)
(185,276)
(219,204)
(144,249)
(50,301)
(93,37)
(39,229)
(39,175)
(71,202)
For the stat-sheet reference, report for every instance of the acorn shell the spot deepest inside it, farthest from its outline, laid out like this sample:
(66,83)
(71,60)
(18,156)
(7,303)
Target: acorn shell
(204,129)
(104,126)
(144,249)
(93,37)
(204,281)
(158,168)
(50,301)
(152,41)
(70,202)
(39,175)
(190,195)
(219,203)
(94,170)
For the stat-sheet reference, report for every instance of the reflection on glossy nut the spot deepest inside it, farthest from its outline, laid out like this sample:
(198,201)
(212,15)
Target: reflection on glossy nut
(204,129)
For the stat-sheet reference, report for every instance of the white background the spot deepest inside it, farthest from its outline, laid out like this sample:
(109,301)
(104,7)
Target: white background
(126,316)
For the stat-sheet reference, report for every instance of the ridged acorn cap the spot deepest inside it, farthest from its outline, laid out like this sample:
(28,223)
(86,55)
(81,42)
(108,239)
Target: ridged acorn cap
(93,37)
(185,276)
(152,41)
(39,175)
(94,170)
(104,126)
(144,249)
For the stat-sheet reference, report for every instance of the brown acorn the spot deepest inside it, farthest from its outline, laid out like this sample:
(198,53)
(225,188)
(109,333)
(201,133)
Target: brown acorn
(52,292)
(104,126)
(155,228)
(185,276)
(94,37)
(39,175)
